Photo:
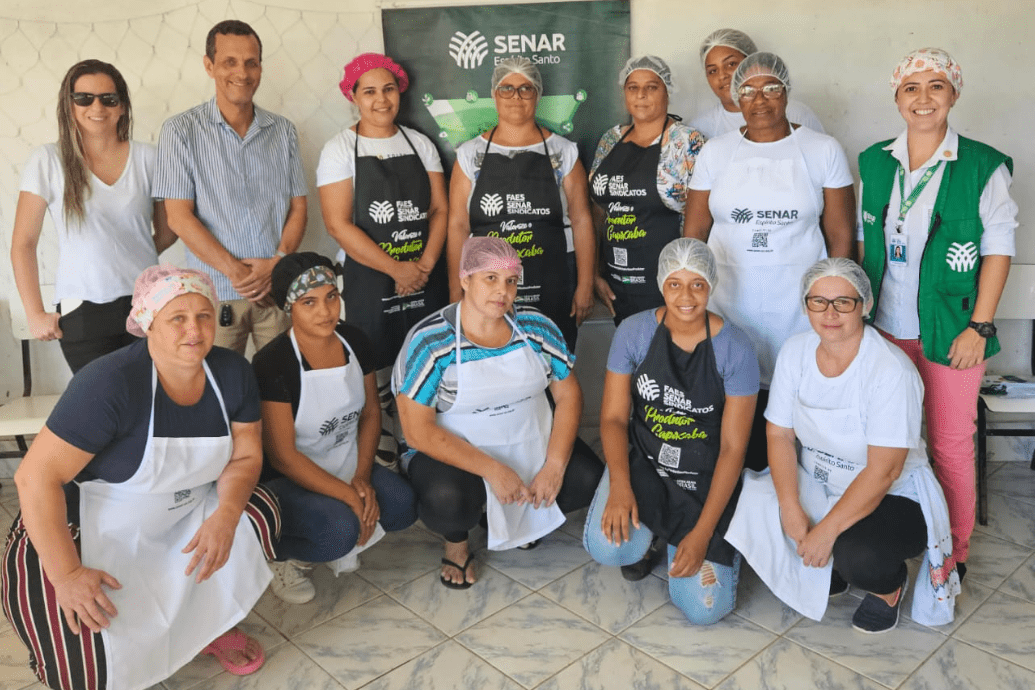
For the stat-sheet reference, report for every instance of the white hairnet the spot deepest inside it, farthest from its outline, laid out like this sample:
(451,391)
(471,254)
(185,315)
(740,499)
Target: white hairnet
(517,65)
(730,38)
(759,65)
(839,268)
(488,254)
(690,254)
(651,63)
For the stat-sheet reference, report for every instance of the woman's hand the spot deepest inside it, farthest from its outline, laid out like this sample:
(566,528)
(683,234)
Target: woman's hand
(409,277)
(547,484)
(604,293)
(795,522)
(507,485)
(211,544)
(371,511)
(690,554)
(83,600)
(44,325)
(967,350)
(582,304)
(818,544)
(619,511)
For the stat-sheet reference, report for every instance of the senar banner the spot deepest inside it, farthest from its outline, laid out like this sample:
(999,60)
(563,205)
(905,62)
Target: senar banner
(450,52)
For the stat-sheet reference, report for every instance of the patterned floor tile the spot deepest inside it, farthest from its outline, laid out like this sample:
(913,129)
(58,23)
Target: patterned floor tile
(601,595)
(616,664)
(962,667)
(1004,626)
(787,666)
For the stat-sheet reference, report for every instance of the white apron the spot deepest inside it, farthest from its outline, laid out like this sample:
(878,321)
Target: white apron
(765,233)
(501,409)
(135,530)
(330,403)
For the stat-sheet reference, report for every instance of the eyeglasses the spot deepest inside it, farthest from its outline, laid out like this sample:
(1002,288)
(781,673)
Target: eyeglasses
(842,305)
(85,100)
(770,91)
(526,91)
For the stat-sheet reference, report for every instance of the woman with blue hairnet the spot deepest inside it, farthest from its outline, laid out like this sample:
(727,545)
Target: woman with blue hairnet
(722,51)
(937,230)
(679,395)
(850,496)
(770,199)
(526,185)
(638,183)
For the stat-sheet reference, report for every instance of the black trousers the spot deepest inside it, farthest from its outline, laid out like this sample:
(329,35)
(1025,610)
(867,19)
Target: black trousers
(871,554)
(757,455)
(92,330)
(450,500)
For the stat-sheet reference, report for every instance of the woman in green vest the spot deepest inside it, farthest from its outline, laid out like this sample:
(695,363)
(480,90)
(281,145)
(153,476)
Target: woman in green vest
(937,233)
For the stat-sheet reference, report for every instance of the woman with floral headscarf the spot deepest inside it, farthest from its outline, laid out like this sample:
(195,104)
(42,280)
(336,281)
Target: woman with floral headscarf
(936,232)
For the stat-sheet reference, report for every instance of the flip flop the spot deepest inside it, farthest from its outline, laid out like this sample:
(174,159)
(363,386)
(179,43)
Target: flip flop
(234,640)
(462,568)
(530,545)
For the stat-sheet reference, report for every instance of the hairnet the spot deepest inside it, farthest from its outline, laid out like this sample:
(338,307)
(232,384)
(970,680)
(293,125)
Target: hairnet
(731,38)
(690,254)
(314,270)
(156,286)
(488,254)
(924,59)
(651,63)
(361,64)
(839,268)
(517,65)
(759,65)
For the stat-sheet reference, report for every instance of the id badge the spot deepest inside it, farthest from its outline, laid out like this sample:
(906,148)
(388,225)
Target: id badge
(898,250)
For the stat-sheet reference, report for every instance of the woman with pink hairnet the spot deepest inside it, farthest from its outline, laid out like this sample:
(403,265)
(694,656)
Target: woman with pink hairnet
(471,382)
(143,537)
(383,198)
(936,232)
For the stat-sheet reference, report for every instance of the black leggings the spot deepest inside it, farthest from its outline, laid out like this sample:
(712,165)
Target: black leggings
(450,500)
(871,554)
(757,456)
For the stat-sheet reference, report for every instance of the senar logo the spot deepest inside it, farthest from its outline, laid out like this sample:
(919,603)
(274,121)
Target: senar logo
(381,211)
(468,50)
(599,184)
(961,257)
(647,387)
(491,204)
(741,215)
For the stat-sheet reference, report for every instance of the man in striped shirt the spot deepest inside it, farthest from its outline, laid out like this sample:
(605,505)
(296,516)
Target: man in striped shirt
(234,190)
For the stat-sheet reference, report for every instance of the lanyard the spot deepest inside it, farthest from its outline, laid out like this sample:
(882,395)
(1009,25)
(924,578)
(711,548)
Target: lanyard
(907,203)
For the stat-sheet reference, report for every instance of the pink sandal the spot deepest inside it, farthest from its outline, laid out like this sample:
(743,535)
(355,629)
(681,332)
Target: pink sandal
(234,640)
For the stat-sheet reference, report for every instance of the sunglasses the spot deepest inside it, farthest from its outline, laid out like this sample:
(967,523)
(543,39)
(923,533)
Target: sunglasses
(85,100)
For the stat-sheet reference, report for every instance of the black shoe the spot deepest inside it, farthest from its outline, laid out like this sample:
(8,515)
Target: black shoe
(838,586)
(874,616)
(961,570)
(642,568)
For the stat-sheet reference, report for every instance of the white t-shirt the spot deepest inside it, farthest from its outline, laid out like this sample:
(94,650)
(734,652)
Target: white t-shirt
(881,385)
(564,154)
(717,120)
(337,158)
(99,258)
(897,309)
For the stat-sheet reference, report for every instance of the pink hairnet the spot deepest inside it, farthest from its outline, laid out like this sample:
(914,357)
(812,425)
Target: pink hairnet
(159,285)
(488,254)
(361,64)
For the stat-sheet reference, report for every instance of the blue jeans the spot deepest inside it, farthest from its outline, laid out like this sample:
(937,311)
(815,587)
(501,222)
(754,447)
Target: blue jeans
(319,529)
(702,604)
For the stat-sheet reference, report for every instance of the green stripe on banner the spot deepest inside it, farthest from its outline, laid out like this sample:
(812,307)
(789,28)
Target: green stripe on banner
(450,52)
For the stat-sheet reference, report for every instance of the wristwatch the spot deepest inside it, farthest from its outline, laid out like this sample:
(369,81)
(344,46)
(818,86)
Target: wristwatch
(986,329)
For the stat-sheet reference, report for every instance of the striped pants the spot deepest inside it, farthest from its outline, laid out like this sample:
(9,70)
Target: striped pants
(61,659)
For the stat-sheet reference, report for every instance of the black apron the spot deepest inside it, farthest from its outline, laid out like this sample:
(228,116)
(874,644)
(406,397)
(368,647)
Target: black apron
(517,198)
(674,436)
(391,207)
(637,225)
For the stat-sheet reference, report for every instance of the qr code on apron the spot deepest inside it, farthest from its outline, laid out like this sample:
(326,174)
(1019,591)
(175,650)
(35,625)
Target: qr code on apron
(820,474)
(669,455)
(621,256)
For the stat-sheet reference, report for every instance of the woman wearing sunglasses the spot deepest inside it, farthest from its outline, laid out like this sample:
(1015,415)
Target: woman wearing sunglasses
(96,184)
(525,184)
(851,495)
(770,199)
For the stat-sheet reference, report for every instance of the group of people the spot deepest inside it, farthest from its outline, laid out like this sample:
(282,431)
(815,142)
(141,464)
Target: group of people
(174,481)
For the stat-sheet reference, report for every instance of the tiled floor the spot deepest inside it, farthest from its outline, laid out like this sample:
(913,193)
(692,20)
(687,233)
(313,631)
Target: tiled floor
(553,619)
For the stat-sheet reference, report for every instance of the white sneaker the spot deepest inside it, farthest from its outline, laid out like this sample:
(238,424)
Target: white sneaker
(291,582)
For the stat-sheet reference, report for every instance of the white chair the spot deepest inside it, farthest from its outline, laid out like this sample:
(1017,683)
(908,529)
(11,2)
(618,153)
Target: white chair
(1018,302)
(25,416)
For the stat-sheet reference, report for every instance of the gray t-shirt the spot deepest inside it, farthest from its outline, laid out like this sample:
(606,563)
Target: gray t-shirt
(734,355)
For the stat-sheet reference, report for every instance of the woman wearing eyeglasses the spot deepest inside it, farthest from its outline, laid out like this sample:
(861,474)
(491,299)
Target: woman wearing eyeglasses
(770,199)
(97,185)
(850,496)
(526,184)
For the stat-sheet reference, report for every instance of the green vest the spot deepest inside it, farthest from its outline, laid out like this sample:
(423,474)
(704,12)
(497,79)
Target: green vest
(950,263)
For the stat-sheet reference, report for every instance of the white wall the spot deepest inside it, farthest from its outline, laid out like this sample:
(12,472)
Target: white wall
(840,57)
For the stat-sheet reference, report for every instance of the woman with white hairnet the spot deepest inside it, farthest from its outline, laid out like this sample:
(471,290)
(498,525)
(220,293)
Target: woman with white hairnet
(770,199)
(722,51)
(526,185)
(936,228)
(638,183)
(679,395)
(850,495)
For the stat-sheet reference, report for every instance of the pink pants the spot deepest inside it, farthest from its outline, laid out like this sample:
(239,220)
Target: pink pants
(950,405)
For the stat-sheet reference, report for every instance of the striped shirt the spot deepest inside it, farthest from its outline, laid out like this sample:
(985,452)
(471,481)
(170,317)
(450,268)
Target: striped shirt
(425,371)
(241,188)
